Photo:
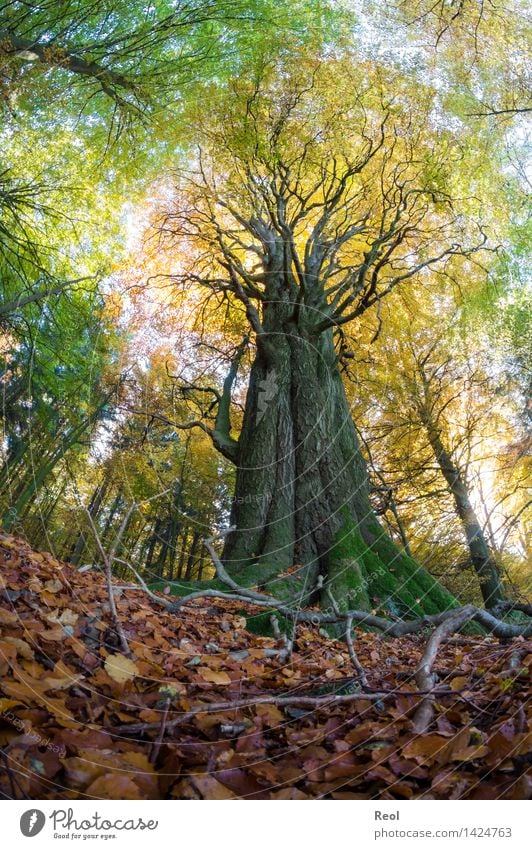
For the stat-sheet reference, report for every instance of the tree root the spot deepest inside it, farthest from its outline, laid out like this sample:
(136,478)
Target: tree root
(445,625)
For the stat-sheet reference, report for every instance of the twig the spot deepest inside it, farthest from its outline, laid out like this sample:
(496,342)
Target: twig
(361,674)
(13,780)
(9,775)
(160,737)
(313,702)
(109,559)
(424,676)
(359,669)
(288,643)
(240,704)
(143,586)
(108,563)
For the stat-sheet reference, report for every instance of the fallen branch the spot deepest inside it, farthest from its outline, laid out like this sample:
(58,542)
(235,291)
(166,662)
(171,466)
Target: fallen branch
(446,624)
(313,702)
(361,674)
(108,568)
(162,730)
(424,676)
(288,643)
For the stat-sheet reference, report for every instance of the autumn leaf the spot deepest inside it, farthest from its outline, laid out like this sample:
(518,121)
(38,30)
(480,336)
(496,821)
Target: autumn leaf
(7,617)
(22,647)
(120,668)
(212,789)
(425,748)
(113,786)
(54,586)
(213,676)
(60,682)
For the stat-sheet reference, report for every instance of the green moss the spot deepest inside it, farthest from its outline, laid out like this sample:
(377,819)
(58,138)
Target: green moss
(380,576)
(182,588)
(260,623)
(377,577)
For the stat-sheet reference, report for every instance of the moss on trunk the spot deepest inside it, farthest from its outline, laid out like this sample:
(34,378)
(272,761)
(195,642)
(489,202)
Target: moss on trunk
(378,576)
(301,508)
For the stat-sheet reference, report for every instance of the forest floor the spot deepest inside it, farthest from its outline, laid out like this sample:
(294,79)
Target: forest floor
(79,719)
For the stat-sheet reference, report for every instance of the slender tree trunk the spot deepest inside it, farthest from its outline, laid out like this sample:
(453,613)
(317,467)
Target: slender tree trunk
(34,481)
(30,486)
(182,545)
(480,554)
(154,539)
(172,542)
(192,555)
(106,533)
(95,505)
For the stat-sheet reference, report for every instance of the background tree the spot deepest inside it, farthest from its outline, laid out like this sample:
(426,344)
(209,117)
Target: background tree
(440,427)
(59,380)
(479,47)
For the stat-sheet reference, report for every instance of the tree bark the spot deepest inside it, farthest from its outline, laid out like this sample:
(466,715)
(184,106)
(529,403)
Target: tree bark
(95,505)
(480,554)
(301,495)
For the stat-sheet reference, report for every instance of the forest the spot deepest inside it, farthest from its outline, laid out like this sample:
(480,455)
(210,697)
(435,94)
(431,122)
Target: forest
(265,399)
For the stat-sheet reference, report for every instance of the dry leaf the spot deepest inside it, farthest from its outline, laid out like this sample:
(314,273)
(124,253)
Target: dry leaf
(212,676)
(22,647)
(53,586)
(120,668)
(7,617)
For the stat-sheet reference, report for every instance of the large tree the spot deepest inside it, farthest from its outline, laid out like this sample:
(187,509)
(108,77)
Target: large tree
(314,196)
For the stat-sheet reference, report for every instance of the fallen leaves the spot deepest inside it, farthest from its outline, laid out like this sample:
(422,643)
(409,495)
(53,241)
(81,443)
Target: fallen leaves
(68,696)
(120,668)
(22,647)
(7,617)
(213,676)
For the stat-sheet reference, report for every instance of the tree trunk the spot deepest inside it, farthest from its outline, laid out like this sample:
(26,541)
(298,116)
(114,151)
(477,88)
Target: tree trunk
(192,555)
(480,554)
(95,505)
(301,494)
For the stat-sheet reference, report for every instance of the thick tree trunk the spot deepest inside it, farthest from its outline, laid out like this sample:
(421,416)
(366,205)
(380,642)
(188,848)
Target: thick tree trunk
(301,494)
